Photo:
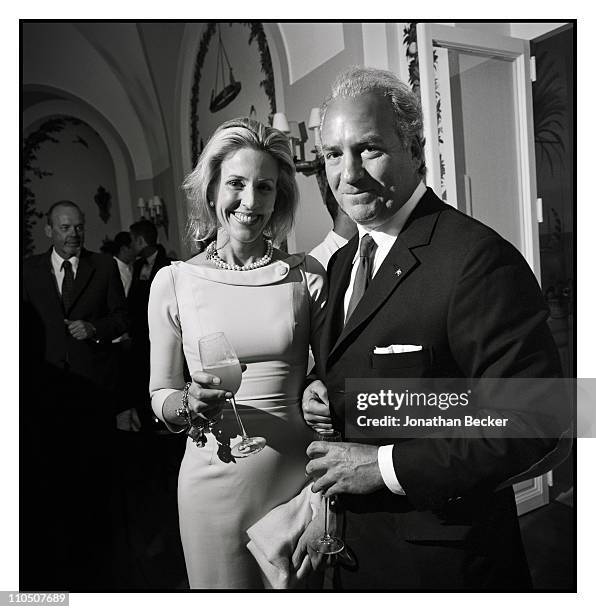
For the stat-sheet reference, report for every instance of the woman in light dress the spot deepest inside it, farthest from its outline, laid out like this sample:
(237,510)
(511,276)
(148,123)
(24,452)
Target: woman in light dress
(243,196)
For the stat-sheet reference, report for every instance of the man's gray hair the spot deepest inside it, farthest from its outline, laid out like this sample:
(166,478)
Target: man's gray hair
(407,112)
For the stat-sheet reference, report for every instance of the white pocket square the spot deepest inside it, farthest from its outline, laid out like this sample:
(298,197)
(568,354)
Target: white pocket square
(397,348)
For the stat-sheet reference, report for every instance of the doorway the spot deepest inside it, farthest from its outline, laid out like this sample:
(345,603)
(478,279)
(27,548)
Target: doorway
(553,100)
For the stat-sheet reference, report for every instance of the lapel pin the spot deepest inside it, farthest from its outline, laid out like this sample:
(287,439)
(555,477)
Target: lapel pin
(398,272)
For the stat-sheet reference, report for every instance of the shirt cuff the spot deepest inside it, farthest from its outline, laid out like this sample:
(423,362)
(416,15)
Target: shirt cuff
(385,461)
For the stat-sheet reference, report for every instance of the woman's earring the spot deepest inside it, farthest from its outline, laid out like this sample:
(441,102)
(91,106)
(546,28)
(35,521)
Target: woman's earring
(211,204)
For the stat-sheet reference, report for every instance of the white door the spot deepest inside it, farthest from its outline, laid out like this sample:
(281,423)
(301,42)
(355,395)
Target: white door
(475,89)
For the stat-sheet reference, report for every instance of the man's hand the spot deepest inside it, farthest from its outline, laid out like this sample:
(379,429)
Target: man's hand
(344,467)
(315,406)
(80,330)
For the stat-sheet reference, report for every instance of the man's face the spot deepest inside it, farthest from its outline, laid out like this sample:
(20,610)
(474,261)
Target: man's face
(137,244)
(370,172)
(126,254)
(67,231)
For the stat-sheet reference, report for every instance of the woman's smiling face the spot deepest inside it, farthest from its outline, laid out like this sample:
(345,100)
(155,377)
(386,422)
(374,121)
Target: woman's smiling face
(245,194)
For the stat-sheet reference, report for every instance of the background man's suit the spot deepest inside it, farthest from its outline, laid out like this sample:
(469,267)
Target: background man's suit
(453,286)
(138,301)
(98,298)
(67,421)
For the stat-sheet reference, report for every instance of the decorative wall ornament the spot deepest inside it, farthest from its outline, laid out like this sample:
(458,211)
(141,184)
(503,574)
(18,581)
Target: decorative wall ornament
(256,32)
(29,169)
(103,199)
(228,92)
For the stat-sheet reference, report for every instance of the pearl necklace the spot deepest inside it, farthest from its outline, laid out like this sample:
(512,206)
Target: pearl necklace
(212,255)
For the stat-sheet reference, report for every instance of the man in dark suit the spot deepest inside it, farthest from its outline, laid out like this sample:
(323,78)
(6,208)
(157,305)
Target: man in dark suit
(73,307)
(150,257)
(426,513)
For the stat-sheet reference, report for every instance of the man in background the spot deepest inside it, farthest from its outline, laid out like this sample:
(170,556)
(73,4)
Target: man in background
(124,256)
(150,257)
(151,453)
(343,229)
(73,307)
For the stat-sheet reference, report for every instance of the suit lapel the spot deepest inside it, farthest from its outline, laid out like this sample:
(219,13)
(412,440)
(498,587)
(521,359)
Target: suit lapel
(401,261)
(339,279)
(85,272)
(47,278)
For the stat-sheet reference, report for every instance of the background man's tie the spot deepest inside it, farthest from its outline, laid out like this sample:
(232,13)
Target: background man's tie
(67,285)
(364,272)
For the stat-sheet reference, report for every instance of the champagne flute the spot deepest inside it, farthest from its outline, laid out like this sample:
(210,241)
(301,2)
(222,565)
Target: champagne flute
(327,544)
(218,358)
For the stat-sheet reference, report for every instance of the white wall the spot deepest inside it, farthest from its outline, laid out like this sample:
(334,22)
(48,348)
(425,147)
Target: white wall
(528,31)
(309,45)
(525,30)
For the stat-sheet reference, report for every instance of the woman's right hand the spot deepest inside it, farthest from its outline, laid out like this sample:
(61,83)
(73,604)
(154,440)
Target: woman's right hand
(204,401)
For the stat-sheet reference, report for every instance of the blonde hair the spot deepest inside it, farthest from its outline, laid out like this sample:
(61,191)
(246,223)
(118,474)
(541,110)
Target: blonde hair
(228,138)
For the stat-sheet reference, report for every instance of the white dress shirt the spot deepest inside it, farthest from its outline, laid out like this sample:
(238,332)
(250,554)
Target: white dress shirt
(145,272)
(323,251)
(125,274)
(57,262)
(385,237)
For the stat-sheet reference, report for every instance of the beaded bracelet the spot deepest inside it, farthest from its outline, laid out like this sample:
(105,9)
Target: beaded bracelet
(183,410)
(196,432)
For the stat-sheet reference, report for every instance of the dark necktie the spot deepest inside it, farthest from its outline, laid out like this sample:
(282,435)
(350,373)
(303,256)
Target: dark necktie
(67,285)
(364,272)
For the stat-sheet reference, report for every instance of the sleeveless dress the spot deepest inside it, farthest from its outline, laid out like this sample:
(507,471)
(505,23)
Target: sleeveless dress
(270,315)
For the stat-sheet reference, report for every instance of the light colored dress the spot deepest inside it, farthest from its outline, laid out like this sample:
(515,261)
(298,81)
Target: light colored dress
(270,315)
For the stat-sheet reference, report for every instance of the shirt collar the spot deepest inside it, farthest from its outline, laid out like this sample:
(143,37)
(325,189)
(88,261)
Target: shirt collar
(122,263)
(337,238)
(151,258)
(388,232)
(58,260)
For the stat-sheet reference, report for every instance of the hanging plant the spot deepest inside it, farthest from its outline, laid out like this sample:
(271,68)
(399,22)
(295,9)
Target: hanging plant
(256,32)
(411,44)
(550,105)
(29,169)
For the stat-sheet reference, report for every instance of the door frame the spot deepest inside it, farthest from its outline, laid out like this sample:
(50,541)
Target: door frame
(518,51)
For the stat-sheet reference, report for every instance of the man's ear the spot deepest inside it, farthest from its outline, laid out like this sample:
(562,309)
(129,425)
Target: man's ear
(417,152)
(48,231)
(416,149)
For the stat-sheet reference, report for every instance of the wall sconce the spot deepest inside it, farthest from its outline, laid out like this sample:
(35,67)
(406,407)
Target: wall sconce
(304,166)
(154,210)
